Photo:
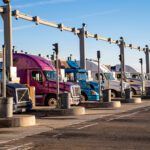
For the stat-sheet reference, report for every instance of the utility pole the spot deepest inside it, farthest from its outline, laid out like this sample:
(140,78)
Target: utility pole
(99,80)
(141,62)
(81,36)
(56,50)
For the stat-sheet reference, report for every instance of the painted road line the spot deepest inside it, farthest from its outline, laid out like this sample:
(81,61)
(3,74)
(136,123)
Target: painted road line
(86,126)
(56,135)
(4,142)
(146,109)
(122,116)
(23,146)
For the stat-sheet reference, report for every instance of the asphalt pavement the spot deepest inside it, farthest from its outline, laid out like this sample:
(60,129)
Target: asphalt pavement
(125,130)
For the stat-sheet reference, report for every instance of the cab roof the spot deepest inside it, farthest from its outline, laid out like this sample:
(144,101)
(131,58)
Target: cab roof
(40,61)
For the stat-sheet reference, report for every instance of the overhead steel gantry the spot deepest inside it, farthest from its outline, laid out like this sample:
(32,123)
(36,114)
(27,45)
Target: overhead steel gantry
(81,32)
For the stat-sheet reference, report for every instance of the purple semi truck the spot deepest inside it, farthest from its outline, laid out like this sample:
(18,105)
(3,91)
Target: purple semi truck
(39,72)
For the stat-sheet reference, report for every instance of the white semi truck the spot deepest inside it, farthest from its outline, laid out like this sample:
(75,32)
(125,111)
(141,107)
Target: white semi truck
(107,78)
(136,80)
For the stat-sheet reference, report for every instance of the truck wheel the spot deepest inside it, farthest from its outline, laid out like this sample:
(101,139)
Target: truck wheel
(83,98)
(133,91)
(51,101)
(113,94)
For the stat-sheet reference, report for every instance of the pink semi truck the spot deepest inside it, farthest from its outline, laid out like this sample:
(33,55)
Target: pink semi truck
(39,72)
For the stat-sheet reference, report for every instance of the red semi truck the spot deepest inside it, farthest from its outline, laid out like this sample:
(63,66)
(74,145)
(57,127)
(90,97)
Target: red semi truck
(39,72)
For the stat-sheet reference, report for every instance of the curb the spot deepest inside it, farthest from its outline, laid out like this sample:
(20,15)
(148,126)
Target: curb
(18,121)
(113,104)
(73,111)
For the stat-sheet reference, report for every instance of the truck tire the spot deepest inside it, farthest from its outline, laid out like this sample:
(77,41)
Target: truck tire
(133,91)
(113,94)
(51,100)
(83,97)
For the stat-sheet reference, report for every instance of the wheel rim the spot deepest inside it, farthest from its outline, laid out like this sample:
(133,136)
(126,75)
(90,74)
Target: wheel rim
(113,95)
(133,92)
(52,102)
(82,98)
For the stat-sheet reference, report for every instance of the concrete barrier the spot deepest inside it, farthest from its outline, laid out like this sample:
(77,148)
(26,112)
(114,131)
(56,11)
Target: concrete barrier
(18,121)
(73,111)
(113,104)
(136,100)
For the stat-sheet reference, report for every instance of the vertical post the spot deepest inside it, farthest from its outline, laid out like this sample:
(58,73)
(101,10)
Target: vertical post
(56,49)
(141,62)
(7,18)
(147,61)
(99,80)
(70,56)
(122,62)
(81,36)
(57,68)
(4,73)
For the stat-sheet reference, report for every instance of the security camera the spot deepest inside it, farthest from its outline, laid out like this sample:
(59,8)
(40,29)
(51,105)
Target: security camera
(6,1)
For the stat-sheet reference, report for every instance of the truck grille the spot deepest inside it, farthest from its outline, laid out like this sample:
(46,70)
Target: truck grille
(76,91)
(22,95)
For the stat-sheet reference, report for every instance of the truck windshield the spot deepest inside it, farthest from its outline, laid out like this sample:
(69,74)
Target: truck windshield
(50,75)
(139,76)
(109,76)
(128,75)
(81,76)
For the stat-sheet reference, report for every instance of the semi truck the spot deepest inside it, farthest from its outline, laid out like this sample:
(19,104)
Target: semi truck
(107,79)
(89,89)
(131,76)
(136,80)
(41,73)
(135,84)
(20,93)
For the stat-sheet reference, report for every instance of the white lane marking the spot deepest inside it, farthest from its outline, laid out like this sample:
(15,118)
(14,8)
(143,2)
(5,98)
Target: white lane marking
(86,126)
(56,135)
(27,146)
(15,139)
(122,116)
(146,109)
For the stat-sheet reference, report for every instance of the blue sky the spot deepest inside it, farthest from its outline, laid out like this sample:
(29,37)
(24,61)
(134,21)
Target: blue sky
(110,18)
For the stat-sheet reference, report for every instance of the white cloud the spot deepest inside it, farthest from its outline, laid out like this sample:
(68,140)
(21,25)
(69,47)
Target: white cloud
(103,13)
(21,27)
(42,3)
(107,12)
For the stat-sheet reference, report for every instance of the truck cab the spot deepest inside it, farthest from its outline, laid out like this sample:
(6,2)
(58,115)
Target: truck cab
(20,94)
(107,79)
(39,72)
(135,83)
(89,89)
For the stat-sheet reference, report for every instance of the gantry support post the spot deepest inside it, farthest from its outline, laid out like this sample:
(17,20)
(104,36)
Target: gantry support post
(121,46)
(7,18)
(81,36)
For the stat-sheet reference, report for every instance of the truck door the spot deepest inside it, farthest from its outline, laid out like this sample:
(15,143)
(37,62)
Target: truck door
(36,79)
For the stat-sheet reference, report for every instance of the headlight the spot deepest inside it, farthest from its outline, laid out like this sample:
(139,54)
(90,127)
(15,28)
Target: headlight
(93,93)
(126,86)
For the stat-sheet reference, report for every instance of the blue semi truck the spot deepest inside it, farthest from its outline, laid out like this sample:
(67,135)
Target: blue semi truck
(89,89)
